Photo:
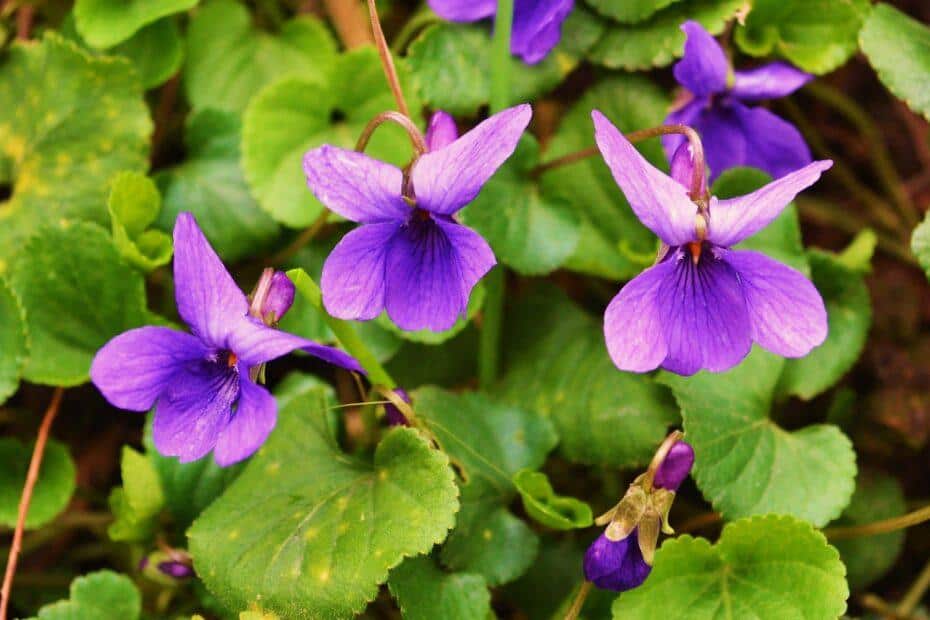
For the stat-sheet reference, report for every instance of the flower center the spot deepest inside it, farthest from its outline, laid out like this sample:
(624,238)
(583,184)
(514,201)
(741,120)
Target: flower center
(421,215)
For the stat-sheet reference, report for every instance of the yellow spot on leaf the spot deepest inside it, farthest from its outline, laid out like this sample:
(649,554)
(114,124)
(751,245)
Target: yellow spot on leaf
(233,534)
(487,534)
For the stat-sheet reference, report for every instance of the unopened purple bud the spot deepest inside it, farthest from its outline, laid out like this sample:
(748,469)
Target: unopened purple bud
(272,297)
(676,467)
(682,167)
(392,414)
(616,565)
(176,570)
(442,131)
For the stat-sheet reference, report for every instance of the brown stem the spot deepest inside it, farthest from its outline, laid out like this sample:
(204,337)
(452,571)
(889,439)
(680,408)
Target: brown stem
(387,61)
(416,137)
(580,598)
(566,160)
(875,603)
(24,19)
(32,476)
(699,522)
(879,527)
(348,18)
(166,101)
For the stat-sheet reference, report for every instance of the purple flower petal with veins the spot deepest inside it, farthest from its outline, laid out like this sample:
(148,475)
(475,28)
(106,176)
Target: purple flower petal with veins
(616,565)
(414,261)
(733,133)
(676,467)
(704,304)
(200,383)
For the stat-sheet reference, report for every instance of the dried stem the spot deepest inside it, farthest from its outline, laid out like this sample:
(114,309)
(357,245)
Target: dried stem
(348,18)
(879,527)
(416,137)
(699,522)
(390,71)
(580,598)
(32,476)
(24,17)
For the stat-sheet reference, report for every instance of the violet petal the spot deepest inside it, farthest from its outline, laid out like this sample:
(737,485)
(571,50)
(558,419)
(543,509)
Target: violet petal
(771,81)
(676,467)
(442,131)
(392,414)
(537,27)
(703,68)
(253,420)
(463,10)
(615,565)
(682,168)
(634,335)
(280,297)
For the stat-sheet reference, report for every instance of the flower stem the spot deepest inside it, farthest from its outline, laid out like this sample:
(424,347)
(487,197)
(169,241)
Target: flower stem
(489,343)
(32,476)
(580,597)
(350,23)
(884,526)
(416,136)
(387,61)
(344,330)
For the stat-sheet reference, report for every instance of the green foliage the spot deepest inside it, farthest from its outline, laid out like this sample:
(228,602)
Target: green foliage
(104,23)
(137,504)
(559,367)
(14,343)
(156,51)
(920,244)
(308,531)
(746,464)
(425,592)
(543,505)
(489,443)
(52,491)
(898,48)
(103,595)
(770,568)
(59,146)
(630,11)
(78,294)
(134,204)
(229,60)
(816,35)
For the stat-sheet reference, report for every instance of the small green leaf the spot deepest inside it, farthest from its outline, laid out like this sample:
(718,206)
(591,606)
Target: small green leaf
(137,504)
(867,559)
(629,11)
(14,344)
(857,256)
(489,442)
(209,183)
(769,568)
(134,204)
(425,592)
(543,505)
(103,595)
(816,35)
(559,367)
(52,491)
(104,23)
(156,51)
(78,294)
(229,61)
(920,244)
(531,232)
(849,314)
(745,464)
(307,531)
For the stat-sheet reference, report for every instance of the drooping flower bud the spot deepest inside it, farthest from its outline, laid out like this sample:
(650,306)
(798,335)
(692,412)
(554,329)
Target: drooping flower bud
(682,167)
(616,565)
(675,467)
(176,570)
(392,414)
(441,131)
(167,566)
(272,297)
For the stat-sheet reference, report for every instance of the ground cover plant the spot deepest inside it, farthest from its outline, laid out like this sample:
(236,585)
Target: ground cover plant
(464,309)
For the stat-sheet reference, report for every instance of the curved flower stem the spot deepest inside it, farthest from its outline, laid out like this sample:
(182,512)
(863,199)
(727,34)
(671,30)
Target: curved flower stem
(390,71)
(580,598)
(884,526)
(416,136)
(659,456)
(489,343)
(32,476)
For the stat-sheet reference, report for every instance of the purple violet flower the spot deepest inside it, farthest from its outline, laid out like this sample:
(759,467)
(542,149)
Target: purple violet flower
(675,467)
(201,383)
(393,415)
(616,565)
(175,569)
(410,257)
(537,24)
(702,305)
(442,131)
(735,134)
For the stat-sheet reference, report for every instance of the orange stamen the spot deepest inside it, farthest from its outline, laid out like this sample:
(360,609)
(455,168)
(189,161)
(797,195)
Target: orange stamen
(695,248)
(232,359)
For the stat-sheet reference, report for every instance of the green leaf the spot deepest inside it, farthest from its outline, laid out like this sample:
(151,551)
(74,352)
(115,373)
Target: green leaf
(867,559)
(559,367)
(608,224)
(920,244)
(770,568)
(103,595)
(451,66)
(745,464)
(453,363)
(489,442)
(657,41)
(294,115)
(209,183)
(307,531)
(137,504)
(849,314)
(425,592)
(530,232)
(14,344)
(134,204)
(60,145)
(78,294)
(816,35)
(857,256)
(229,61)
(542,504)
(629,11)
(156,51)
(52,491)
(104,23)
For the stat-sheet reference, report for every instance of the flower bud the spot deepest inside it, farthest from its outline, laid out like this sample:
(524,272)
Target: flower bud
(167,567)
(176,570)
(616,565)
(272,297)
(682,167)
(392,414)
(441,132)
(675,467)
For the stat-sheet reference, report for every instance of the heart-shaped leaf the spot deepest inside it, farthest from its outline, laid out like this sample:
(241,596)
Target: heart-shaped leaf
(103,595)
(52,491)
(104,23)
(134,204)
(426,592)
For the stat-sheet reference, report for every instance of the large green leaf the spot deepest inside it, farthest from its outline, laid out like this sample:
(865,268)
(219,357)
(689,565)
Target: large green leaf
(103,595)
(156,51)
(134,203)
(898,48)
(78,294)
(307,531)
(425,592)
(629,11)
(14,343)
(294,115)
(68,122)
(745,464)
(52,491)
(559,366)
(104,23)
(769,568)
(816,35)
(229,60)
(529,231)
(489,442)
(612,241)
(209,183)
(658,40)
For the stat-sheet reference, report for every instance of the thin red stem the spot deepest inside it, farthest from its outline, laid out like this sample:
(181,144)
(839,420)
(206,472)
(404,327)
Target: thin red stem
(390,71)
